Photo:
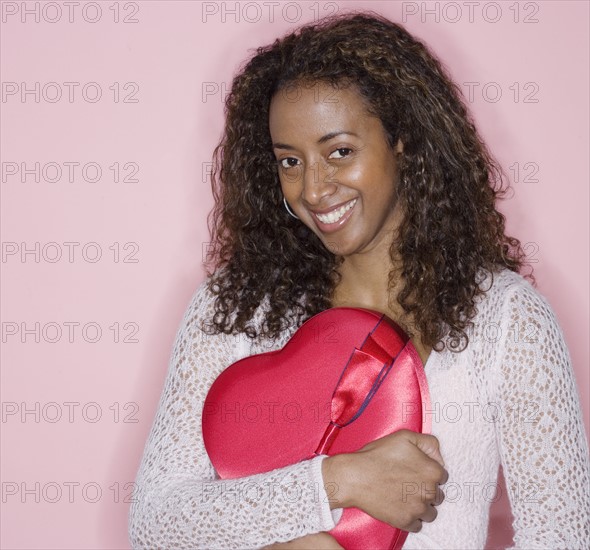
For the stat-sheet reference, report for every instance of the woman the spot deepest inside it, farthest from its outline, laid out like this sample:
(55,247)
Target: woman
(350,174)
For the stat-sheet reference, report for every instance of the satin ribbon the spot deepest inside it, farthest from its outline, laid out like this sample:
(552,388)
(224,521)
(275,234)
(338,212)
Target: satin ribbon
(361,377)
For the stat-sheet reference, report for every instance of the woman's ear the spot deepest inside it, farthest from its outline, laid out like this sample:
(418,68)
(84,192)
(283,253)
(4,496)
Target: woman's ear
(399,147)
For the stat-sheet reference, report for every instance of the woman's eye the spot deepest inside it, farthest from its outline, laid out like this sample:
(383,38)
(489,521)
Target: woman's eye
(341,152)
(289,162)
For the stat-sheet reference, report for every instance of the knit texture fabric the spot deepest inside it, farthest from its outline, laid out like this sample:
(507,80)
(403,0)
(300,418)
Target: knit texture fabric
(509,398)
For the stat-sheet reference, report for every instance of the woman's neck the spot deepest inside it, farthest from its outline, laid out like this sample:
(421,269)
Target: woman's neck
(364,280)
(364,284)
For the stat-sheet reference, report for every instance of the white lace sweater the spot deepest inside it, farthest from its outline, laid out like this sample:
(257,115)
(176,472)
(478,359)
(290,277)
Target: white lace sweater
(510,398)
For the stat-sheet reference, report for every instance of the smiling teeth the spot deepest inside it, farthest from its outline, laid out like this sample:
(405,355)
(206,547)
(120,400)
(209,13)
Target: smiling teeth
(334,216)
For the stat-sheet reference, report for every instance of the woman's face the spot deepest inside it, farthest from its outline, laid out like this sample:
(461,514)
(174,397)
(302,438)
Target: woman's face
(336,168)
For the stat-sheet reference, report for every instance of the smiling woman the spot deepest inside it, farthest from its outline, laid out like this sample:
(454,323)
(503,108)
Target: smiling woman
(339,174)
(338,167)
(351,174)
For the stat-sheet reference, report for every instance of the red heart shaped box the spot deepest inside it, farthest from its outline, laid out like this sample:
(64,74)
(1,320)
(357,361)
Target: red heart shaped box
(273,409)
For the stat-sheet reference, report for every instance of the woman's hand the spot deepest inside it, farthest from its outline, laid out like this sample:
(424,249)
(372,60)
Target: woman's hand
(317,541)
(394,479)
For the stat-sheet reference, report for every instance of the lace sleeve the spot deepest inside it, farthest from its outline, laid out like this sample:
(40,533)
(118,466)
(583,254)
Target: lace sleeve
(179,501)
(543,446)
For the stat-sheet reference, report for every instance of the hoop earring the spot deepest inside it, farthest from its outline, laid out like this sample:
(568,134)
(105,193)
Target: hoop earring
(288,209)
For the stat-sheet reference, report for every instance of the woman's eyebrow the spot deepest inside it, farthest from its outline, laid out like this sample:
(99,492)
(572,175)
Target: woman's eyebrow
(323,139)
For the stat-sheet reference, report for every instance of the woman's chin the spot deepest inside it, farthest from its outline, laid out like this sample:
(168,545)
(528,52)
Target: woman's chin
(336,248)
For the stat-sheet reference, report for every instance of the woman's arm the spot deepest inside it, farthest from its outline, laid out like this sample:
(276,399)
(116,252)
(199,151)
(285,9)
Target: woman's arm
(318,541)
(179,502)
(543,446)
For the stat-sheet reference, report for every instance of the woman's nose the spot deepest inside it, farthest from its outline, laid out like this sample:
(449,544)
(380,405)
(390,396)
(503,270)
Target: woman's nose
(318,182)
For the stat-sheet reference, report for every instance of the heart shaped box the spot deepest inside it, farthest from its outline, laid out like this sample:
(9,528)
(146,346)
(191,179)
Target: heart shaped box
(346,377)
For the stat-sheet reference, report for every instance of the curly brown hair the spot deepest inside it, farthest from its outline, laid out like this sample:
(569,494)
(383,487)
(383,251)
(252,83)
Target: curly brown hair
(448,186)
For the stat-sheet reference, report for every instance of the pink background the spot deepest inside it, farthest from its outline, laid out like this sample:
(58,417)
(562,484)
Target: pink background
(173,53)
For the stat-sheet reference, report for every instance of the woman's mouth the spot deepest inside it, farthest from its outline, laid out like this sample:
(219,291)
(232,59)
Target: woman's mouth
(334,220)
(336,215)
